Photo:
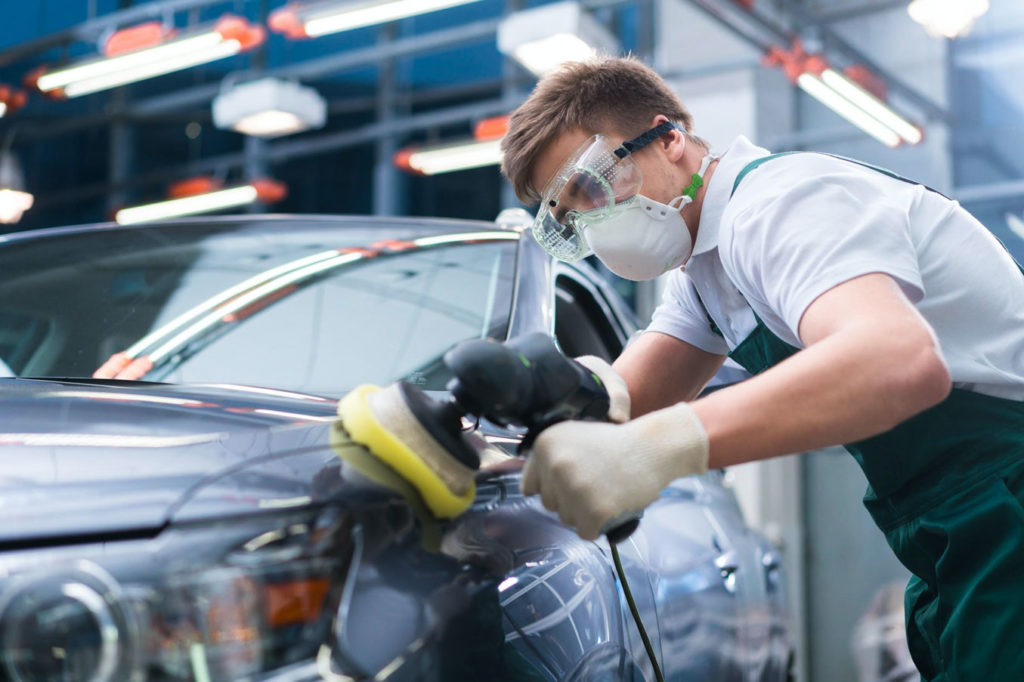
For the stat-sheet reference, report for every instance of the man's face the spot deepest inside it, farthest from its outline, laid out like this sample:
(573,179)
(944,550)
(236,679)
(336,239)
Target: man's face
(582,191)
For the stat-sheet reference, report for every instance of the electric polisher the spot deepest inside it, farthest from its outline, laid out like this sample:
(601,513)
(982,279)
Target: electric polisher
(525,382)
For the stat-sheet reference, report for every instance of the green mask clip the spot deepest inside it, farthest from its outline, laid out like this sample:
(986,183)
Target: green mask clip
(696,182)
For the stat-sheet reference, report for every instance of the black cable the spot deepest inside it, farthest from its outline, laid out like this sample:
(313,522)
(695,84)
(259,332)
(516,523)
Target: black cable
(636,613)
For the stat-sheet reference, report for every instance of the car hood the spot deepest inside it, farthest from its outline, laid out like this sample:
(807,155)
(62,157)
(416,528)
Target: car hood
(78,458)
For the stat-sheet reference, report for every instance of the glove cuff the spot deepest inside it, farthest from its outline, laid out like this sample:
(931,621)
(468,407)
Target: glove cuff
(671,443)
(613,383)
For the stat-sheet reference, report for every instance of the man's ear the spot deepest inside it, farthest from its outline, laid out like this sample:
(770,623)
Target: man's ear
(673,142)
(675,145)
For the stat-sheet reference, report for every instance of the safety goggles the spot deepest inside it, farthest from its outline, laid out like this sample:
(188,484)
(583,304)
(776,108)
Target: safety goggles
(596,179)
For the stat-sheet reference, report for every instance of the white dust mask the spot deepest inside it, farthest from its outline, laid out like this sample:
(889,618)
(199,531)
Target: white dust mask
(644,238)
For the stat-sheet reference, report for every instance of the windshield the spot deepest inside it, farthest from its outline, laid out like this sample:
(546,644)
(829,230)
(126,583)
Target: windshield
(314,307)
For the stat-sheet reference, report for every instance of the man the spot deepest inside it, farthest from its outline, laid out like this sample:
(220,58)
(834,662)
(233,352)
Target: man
(873,311)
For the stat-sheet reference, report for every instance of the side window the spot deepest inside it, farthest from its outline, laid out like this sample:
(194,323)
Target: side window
(581,326)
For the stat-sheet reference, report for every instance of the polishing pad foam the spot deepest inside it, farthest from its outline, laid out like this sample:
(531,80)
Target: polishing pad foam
(379,420)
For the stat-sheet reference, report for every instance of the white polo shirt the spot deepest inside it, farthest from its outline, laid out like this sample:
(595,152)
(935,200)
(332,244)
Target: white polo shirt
(799,225)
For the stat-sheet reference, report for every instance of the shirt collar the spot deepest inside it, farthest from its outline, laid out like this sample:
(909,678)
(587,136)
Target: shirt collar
(737,155)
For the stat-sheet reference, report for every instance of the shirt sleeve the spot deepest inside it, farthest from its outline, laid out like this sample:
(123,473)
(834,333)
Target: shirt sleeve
(789,248)
(681,315)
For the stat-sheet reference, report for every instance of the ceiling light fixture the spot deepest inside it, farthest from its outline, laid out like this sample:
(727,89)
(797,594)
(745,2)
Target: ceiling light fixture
(842,93)
(543,38)
(203,195)
(11,100)
(269,107)
(312,20)
(484,149)
(947,18)
(130,63)
(14,200)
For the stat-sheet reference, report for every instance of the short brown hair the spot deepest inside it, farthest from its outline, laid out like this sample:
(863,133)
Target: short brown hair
(618,94)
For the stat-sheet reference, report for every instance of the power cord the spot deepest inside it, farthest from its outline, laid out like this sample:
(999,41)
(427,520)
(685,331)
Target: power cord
(636,613)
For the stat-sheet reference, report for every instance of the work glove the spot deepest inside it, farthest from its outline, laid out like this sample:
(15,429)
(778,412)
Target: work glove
(596,475)
(618,394)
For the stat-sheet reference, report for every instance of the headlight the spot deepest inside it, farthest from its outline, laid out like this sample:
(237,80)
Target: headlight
(219,601)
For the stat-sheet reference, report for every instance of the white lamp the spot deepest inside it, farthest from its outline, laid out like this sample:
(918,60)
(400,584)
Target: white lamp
(948,18)
(269,107)
(543,38)
(14,200)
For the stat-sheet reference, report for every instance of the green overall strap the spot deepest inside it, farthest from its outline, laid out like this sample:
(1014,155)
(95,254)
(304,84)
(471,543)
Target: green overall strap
(756,163)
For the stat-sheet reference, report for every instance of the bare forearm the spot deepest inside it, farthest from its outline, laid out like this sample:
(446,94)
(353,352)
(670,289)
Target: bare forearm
(661,371)
(842,389)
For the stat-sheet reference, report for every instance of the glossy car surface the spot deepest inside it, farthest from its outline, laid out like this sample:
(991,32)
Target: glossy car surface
(207,519)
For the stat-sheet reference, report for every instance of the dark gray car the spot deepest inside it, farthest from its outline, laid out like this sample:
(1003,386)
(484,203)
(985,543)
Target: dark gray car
(191,513)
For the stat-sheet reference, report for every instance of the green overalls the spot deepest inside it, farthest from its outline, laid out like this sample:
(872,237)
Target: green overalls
(946,487)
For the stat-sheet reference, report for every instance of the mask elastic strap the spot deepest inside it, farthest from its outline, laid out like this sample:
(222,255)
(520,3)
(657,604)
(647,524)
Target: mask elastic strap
(696,180)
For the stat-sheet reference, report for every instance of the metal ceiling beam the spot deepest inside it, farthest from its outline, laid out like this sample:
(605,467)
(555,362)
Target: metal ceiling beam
(729,16)
(855,10)
(331,65)
(996,191)
(280,152)
(31,128)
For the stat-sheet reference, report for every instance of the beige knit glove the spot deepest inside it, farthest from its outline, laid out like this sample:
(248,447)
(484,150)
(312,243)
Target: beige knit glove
(592,473)
(618,394)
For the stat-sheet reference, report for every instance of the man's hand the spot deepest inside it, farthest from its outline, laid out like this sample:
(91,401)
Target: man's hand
(618,394)
(591,473)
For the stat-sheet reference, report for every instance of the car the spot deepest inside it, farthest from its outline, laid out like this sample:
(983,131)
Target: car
(177,501)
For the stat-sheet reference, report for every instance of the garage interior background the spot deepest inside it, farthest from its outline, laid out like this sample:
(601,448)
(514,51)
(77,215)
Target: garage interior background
(438,80)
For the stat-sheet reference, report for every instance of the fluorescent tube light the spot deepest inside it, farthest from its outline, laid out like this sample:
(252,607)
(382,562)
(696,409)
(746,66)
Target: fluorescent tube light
(109,66)
(200,203)
(318,19)
(3,109)
(453,157)
(816,88)
(948,18)
(229,36)
(871,105)
(139,72)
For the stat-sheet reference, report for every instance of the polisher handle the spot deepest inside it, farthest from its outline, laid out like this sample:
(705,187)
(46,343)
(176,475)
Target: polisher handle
(622,531)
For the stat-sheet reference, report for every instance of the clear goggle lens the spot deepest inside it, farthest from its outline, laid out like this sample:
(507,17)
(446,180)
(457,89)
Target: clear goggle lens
(584,191)
(563,240)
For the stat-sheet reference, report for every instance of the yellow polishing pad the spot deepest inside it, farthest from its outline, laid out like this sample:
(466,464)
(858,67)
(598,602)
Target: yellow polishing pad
(445,484)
